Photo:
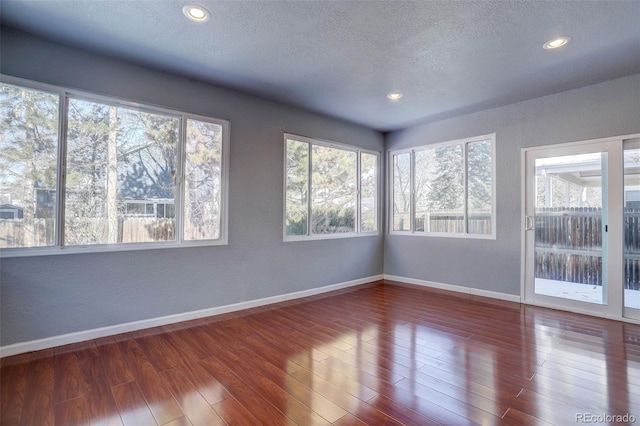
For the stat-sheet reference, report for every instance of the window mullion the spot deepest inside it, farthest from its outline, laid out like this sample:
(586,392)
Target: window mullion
(465,155)
(412,191)
(179,207)
(358,190)
(61,170)
(309,185)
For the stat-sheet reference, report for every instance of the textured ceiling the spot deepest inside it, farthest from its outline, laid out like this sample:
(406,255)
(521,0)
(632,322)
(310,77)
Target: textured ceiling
(342,57)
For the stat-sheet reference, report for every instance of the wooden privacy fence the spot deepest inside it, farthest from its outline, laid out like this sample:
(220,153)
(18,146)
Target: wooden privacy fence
(41,232)
(568,245)
(21,233)
(453,222)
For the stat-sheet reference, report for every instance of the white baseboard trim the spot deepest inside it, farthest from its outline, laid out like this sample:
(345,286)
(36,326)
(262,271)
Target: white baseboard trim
(81,336)
(455,288)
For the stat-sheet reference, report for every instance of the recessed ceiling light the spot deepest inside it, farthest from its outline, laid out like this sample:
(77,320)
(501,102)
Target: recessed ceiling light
(394,96)
(556,42)
(196,13)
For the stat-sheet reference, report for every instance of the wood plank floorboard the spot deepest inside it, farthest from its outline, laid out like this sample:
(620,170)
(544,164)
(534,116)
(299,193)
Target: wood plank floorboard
(39,406)
(13,384)
(378,354)
(234,413)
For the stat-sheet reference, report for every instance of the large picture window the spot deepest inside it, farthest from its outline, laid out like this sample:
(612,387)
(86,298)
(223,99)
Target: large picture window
(119,175)
(331,190)
(445,189)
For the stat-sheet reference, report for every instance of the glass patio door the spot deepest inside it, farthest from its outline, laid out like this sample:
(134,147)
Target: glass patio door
(568,227)
(572,245)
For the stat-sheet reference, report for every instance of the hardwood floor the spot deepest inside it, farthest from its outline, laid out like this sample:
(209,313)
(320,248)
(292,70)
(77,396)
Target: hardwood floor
(377,354)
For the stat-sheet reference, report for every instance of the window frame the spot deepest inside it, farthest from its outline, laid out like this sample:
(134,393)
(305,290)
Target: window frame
(64,96)
(412,204)
(310,236)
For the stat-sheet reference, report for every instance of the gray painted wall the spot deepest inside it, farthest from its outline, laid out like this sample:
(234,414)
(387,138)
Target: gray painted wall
(607,109)
(52,295)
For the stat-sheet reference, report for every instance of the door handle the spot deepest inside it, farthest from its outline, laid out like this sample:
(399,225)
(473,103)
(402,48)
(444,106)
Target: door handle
(528,223)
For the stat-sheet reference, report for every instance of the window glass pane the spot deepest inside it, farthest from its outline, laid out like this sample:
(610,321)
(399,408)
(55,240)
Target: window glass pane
(401,192)
(28,164)
(297,188)
(368,192)
(439,181)
(203,181)
(568,231)
(135,209)
(118,159)
(333,190)
(632,228)
(170,210)
(479,187)
(424,161)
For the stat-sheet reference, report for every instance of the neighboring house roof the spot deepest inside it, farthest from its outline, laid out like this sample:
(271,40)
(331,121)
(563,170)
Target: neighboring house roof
(10,207)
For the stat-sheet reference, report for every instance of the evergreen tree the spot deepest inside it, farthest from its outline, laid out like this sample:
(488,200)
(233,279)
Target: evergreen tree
(333,190)
(28,160)
(446,192)
(297,187)
(479,176)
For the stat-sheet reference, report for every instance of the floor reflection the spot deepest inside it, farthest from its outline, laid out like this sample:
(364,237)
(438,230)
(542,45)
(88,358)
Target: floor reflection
(377,354)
